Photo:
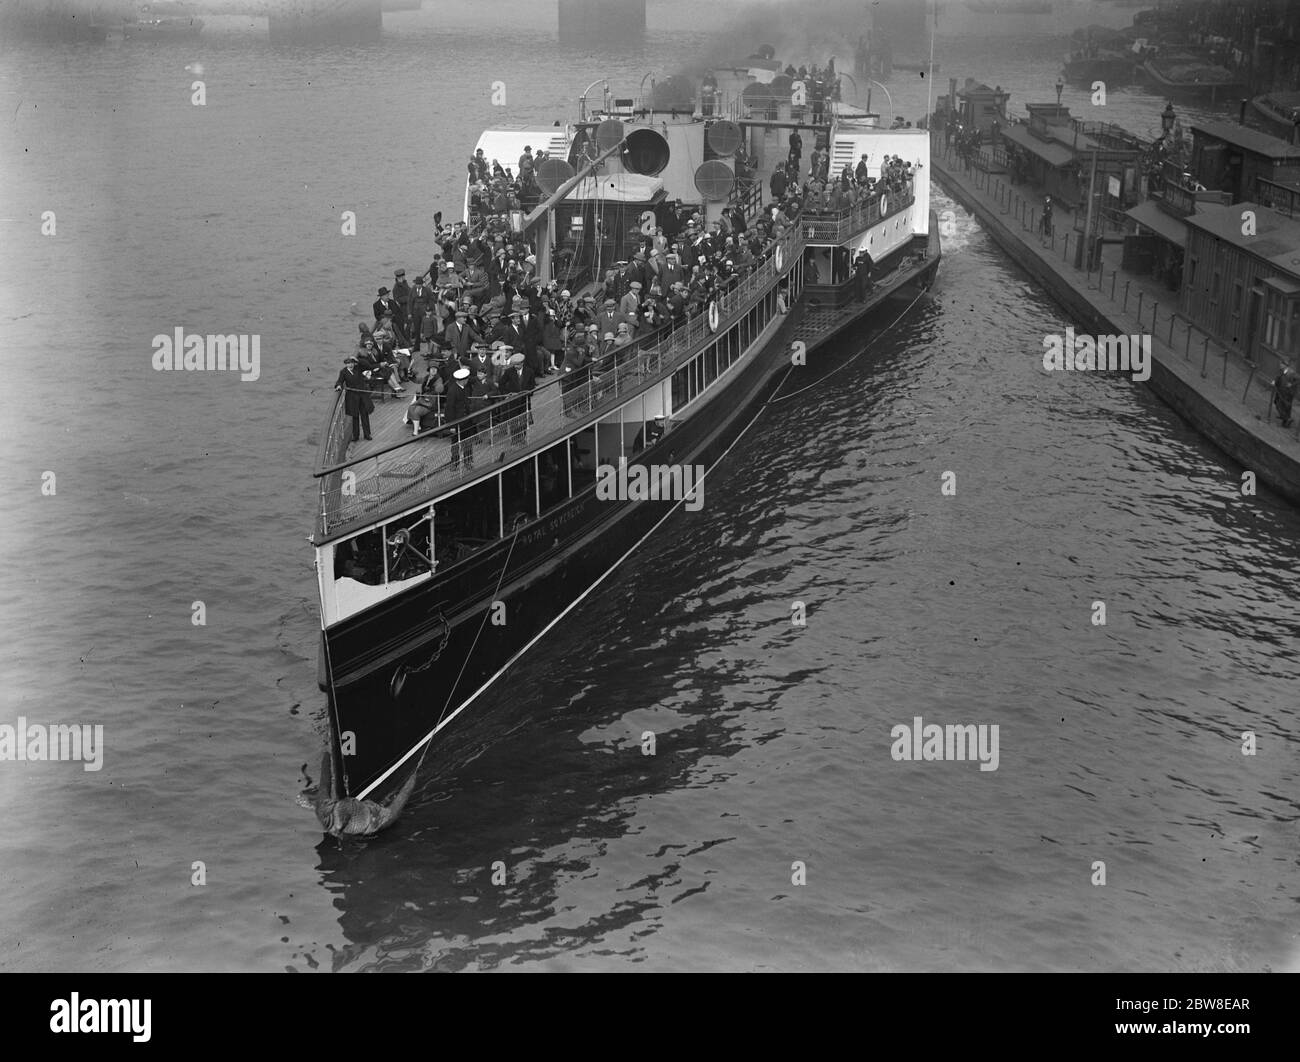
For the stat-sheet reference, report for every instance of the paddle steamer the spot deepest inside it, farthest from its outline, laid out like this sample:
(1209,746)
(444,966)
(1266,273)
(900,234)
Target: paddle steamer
(434,578)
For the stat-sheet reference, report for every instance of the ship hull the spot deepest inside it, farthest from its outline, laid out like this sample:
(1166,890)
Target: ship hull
(445,627)
(445,623)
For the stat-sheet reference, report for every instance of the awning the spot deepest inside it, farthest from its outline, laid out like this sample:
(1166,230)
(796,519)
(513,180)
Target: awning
(618,188)
(1282,286)
(1150,216)
(1049,151)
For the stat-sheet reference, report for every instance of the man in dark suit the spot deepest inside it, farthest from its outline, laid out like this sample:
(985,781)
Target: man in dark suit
(508,332)
(401,289)
(458,394)
(387,306)
(418,303)
(531,340)
(610,318)
(461,335)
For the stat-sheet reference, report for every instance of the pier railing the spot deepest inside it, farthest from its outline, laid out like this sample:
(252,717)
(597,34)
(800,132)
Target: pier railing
(360,491)
(1130,296)
(826,227)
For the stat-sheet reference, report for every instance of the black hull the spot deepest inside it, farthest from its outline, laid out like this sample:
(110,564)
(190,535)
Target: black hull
(442,626)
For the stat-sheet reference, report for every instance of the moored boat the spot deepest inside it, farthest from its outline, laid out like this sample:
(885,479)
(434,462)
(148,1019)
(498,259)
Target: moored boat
(1113,66)
(1187,75)
(162,22)
(1278,113)
(442,557)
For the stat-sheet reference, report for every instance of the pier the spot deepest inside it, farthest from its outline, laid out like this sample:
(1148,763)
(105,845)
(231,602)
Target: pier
(1221,394)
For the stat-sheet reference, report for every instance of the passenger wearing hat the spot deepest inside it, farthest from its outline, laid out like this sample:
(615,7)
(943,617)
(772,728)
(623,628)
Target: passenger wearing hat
(385,306)
(354,383)
(419,303)
(422,412)
(552,342)
(507,330)
(461,334)
(533,338)
(458,408)
(515,383)
(483,363)
(576,369)
(651,432)
(483,400)
(401,289)
(630,301)
(609,317)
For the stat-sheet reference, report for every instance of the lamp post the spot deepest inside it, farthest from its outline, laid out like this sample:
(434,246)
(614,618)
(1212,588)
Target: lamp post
(1060,86)
(1167,118)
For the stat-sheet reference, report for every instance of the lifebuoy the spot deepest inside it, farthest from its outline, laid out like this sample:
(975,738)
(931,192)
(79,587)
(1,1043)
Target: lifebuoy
(884,205)
(713,316)
(780,258)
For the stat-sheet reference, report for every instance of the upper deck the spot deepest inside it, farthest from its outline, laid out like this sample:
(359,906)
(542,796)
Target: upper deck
(385,478)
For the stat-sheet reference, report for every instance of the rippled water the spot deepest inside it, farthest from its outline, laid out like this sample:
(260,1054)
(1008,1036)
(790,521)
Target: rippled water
(1118,743)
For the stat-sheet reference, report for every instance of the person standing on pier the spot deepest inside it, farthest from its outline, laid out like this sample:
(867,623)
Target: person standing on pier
(1284,389)
(1046,230)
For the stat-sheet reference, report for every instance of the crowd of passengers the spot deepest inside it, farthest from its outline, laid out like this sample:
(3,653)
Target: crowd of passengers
(489,331)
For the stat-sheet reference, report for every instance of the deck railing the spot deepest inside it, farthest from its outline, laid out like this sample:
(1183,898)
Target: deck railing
(356,492)
(822,227)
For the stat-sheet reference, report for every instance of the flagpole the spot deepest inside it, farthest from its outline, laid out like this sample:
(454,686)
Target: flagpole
(929,78)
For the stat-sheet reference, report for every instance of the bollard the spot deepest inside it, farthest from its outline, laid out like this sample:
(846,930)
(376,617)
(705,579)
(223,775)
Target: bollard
(1205,356)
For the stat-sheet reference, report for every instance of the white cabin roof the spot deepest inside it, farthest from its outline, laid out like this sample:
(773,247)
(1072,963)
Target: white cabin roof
(618,188)
(506,145)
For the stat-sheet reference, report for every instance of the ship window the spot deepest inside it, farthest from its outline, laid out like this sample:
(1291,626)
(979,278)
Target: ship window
(695,377)
(679,387)
(609,438)
(518,495)
(582,459)
(711,363)
(468,520)
(409,552)
(553,476)
(361,558)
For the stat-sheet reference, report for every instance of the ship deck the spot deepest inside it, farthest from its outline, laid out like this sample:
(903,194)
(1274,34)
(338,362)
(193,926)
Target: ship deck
(819,324)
